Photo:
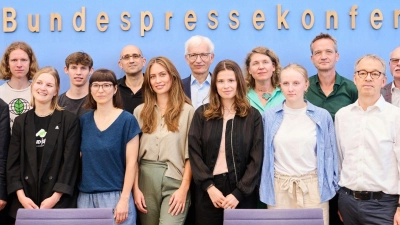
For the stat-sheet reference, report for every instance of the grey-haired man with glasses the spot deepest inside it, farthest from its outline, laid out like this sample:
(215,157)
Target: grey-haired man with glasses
(131,61)
(391,92)
(199,54)
(368,137)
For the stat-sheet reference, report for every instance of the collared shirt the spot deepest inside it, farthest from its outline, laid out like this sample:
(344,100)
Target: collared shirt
(277,98)
(344,93)
(131,100)
(199,92)
(327,159)
(395,95)
(369,147)
(166,146)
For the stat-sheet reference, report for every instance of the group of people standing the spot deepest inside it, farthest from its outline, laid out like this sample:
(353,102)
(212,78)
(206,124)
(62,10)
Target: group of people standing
(197,146)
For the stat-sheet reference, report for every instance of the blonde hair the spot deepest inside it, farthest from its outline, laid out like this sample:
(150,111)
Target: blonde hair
(52,71)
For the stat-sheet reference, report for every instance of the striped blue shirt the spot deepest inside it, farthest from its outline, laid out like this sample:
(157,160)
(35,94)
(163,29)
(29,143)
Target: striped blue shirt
(326,150)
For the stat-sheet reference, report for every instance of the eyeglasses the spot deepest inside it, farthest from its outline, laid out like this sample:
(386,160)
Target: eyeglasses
(128,56)
(394,60)
(106,87)
(374,74)
(203,56)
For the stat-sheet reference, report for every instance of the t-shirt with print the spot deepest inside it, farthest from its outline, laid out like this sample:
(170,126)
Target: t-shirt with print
(17,100)
(41,128)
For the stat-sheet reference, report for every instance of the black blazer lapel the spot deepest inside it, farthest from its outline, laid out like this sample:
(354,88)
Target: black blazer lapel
(30,142)
(51,140)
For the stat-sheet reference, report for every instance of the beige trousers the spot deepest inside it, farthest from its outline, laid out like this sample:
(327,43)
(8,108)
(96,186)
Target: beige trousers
(299,192)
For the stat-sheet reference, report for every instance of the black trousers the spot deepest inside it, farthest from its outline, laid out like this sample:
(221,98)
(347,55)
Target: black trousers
(360,212)
(207,214)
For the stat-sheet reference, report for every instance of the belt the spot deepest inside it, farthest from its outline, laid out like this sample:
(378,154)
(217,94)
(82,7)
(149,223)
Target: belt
(364,195)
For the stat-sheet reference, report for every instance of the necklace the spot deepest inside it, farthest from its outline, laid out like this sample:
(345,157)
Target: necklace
(265,94)
(44,115)
(230,111)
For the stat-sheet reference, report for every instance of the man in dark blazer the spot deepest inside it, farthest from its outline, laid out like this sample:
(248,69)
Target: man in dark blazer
(199,55)
(4,142)
(391,91)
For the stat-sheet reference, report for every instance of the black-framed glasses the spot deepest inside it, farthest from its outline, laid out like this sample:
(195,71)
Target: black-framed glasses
(394,60)
(128,56)
(203,56)
(96,87)
(374,74)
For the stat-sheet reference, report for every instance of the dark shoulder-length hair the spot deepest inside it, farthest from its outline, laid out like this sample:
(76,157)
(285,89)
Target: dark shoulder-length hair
(241,103)
(102,75)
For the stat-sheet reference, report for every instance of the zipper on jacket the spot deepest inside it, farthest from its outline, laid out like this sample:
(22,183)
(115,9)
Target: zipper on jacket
(233,155)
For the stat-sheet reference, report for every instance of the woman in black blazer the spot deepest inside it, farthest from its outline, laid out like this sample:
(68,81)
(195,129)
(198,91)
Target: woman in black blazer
(43,157)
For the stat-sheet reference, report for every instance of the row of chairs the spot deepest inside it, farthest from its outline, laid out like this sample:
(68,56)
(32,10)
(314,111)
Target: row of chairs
(231,217)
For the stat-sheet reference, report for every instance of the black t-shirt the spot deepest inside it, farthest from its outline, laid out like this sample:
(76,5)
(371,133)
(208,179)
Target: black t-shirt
(73,105)
(131,100)
(41,128)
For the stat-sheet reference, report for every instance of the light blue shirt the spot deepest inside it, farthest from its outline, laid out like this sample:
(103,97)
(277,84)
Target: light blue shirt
(199,92)
(326,151)
(277,97)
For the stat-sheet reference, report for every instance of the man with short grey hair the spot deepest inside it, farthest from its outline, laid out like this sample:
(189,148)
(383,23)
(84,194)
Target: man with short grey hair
(199,55)
(368,137)
(391,92)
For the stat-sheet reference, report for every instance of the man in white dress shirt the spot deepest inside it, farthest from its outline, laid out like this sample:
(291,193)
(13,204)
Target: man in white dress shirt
(199,55)
(368,136)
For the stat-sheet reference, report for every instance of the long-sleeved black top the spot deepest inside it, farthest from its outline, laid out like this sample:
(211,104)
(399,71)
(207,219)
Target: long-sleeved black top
(243,137)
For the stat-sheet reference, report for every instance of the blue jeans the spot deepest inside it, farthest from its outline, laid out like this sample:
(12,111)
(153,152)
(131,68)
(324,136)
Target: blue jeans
(107,200)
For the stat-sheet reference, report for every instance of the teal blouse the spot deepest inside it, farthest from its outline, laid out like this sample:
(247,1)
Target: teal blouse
(277,98)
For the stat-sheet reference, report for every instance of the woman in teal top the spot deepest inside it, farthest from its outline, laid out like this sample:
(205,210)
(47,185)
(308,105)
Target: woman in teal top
(262,71)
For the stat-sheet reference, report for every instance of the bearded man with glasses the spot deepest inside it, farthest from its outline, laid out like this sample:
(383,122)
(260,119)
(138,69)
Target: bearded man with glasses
(131,61)
(368,137)
(199,55)
(391,92)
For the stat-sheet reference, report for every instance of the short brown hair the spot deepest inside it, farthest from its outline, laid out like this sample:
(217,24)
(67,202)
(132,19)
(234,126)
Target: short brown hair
(241,104)
(275,61)
(5,72)
(79,58)
(52,71)
(324,36)
(102,75)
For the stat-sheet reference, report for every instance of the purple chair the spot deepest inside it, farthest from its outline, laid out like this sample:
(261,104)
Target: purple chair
(273,217)
(64,217)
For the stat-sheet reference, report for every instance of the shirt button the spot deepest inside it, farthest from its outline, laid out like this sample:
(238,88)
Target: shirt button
(26,178)
(50,177)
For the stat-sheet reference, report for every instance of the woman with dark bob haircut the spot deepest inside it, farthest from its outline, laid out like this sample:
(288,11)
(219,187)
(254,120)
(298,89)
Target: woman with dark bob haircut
(43,156)
(225,147)
(109,149)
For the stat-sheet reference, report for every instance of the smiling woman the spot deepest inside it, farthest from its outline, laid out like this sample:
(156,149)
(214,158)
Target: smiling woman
(42,169)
